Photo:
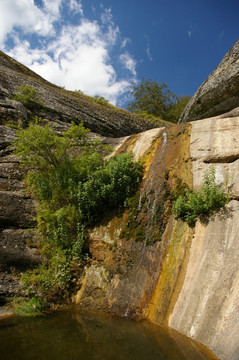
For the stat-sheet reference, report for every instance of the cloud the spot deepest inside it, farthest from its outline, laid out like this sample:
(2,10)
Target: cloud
(25,15)
(125,42)
(189,33)
(76,7)
(148,52)
(128,62)
(75,56)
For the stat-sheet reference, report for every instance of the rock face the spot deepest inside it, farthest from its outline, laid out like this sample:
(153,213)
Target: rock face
(203,302)
(18,239)
(188,278)
(143,262)
(61,105)
(219,93)
(207,306)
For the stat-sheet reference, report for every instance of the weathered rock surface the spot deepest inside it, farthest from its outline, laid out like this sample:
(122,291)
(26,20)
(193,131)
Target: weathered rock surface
(126,266)
(204,305)
(215,143)
(188,280)
(18,249)
(18,244)
(16,210)
(207,307)
(220,91)
(61,105)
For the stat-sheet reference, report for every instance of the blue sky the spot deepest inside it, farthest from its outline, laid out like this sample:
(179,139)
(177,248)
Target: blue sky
(101,47)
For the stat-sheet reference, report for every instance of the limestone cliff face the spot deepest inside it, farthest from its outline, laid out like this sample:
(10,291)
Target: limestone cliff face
(203,304)
(143,262)
(220,91)
(183,277)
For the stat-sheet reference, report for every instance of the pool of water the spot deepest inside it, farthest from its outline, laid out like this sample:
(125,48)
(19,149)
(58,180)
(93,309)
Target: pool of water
(75,335)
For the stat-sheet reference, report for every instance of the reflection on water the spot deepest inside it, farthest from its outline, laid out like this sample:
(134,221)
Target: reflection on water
(90,336)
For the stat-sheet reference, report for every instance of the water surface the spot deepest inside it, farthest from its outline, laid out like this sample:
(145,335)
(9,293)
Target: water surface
(90,336)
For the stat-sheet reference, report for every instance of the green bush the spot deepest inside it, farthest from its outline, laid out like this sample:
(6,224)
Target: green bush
(27,95)
(75,187)
(200,203)
(101,100)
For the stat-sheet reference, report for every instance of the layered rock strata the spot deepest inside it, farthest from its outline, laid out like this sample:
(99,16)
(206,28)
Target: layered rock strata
(60,105)
(18,239)
(220,91)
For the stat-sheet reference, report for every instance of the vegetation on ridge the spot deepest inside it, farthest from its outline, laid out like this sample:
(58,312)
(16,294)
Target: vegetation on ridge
(156,100)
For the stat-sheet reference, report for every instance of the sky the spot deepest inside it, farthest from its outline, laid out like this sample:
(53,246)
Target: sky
(101,47)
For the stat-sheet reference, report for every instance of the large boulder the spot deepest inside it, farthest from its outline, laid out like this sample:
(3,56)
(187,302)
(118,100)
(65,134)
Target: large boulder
(219,93)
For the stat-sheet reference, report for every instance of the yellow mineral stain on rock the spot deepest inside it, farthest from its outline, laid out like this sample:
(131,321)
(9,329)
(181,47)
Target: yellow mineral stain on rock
(172,274)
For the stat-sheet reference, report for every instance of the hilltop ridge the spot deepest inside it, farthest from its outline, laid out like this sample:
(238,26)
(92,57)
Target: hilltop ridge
(61,105)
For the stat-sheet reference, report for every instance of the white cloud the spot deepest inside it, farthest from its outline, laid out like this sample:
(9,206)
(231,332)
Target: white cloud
(125,42)
(23,14)
(52,8)
(76,6)
(189,33)
(77,56)
(148,52)
(128,62)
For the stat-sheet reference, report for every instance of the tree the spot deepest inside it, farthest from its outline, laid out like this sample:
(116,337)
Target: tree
(153,97)
(177,109)
(157,100)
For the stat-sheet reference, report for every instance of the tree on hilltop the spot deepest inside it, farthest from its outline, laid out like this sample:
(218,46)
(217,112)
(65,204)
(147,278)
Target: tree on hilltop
(157,100)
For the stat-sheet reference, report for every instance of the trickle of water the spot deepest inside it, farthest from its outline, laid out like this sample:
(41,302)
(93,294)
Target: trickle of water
(149,187)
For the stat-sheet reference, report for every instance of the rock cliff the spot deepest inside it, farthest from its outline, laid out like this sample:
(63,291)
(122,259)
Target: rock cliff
(220,91)
(18,240)
(186,278)
(143,262)
(61,105)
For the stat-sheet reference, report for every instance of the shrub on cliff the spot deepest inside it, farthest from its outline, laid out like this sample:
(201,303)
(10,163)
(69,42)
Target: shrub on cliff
(74,187)
(27,95)
(202,202)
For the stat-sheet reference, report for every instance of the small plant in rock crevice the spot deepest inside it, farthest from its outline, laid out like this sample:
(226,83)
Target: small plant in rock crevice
(27,95)
(201,203)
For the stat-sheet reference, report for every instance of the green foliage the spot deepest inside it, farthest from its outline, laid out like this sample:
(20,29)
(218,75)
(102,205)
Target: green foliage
(108,188)
(74,187)
(152,98)
(55,278)
(177,108)
(101,100)
(33,307)
(200,203)
(27,95)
